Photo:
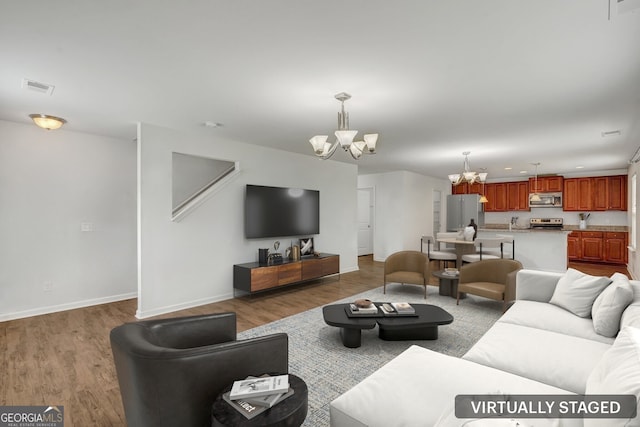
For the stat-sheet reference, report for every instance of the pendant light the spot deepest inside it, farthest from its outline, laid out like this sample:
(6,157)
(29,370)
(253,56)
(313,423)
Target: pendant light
(535,197)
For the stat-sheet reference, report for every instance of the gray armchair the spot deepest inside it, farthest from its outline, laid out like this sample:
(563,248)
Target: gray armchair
(170,371)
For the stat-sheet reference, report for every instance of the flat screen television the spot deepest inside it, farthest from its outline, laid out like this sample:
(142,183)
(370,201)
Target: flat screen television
(280,212)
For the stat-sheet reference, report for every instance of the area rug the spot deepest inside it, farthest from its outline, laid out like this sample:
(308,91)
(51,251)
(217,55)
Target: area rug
(316,353)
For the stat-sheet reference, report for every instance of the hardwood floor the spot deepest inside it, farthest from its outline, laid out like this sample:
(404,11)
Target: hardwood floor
(65,358)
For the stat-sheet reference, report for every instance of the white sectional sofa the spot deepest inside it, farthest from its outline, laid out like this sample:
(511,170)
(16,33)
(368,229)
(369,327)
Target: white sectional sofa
(539,346)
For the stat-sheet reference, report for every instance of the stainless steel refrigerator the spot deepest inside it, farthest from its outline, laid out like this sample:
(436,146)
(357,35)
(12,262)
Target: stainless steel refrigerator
(461,208)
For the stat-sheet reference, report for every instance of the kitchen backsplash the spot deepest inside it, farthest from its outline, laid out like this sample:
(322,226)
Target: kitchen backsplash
(570,218)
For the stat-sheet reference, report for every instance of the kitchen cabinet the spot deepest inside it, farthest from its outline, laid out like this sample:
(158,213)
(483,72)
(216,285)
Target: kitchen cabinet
(500,203)
(602,193)
(597,246)
(507,196)
(490,194)
(518,196)
(460,188)
(573,246)
(591,246)
(547,184)
(466,188)
(577,194)
(617,192)
(615,247)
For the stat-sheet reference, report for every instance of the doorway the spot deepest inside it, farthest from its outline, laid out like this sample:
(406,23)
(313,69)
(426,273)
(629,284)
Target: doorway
(365,221)
(437,211)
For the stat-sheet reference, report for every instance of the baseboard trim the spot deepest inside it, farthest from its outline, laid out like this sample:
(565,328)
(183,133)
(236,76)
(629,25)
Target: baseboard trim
(204,301)
(182,306)
(67,306)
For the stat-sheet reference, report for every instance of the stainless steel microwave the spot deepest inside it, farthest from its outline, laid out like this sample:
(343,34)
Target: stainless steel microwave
(545,200)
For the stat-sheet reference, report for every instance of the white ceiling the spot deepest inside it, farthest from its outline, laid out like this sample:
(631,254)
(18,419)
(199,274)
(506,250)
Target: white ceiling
(512,81)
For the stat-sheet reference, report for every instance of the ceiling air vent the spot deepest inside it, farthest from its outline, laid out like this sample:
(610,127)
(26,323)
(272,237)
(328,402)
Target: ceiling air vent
(37,86)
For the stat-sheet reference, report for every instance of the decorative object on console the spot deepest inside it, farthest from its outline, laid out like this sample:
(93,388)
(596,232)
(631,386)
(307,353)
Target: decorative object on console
(275,257)
(263,255)
(295,252)
(344,137)
(467,174)
(306,246)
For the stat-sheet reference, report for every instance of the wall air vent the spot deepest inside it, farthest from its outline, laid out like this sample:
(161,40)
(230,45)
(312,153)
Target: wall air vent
(37,86)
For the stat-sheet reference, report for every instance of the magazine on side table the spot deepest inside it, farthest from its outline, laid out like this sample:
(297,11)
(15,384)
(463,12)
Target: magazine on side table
(258,394)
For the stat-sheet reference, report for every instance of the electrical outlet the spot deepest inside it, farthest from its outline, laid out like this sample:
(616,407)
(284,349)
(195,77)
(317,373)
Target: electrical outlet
(48,286)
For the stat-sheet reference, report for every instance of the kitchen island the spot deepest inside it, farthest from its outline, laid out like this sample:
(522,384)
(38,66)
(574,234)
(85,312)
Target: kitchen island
(536,249)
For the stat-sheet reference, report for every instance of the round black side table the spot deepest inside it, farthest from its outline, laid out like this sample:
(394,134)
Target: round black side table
(291,412)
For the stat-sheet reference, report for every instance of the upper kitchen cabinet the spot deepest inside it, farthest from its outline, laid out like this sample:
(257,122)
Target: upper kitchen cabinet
(577,194)
(518,196)
(602,193)
(466,188)
(610,193)
(546,184)
(507,196)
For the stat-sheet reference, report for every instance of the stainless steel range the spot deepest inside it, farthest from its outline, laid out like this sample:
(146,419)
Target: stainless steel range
(546,223)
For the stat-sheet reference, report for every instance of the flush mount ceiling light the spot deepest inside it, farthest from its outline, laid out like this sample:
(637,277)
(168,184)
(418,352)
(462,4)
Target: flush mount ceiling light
(344,137)
(467,174)
(47,122)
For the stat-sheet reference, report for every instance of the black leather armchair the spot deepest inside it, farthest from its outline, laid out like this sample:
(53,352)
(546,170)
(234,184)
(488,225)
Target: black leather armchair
(170,371)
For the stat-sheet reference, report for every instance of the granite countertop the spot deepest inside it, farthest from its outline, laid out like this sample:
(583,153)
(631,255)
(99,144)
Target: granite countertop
(566,227)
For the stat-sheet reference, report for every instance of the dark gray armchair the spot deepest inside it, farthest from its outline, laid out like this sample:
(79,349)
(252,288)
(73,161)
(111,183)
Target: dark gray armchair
(170,371)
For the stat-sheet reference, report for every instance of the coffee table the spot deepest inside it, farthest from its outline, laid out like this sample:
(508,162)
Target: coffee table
(423,326)
(350,327)
(448,284)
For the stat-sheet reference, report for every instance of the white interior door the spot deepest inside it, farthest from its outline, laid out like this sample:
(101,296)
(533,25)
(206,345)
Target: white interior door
(365,221)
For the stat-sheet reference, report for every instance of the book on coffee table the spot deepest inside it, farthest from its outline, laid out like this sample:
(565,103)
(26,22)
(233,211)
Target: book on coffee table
(388,310)
(403,308)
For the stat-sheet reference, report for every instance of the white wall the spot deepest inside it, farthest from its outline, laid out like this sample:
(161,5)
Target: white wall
(190,262)
(403,209)
(51,182)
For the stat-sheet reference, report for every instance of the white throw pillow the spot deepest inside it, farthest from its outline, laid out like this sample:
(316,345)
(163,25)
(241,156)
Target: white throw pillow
(577,291)
(608,307)
(618,372)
